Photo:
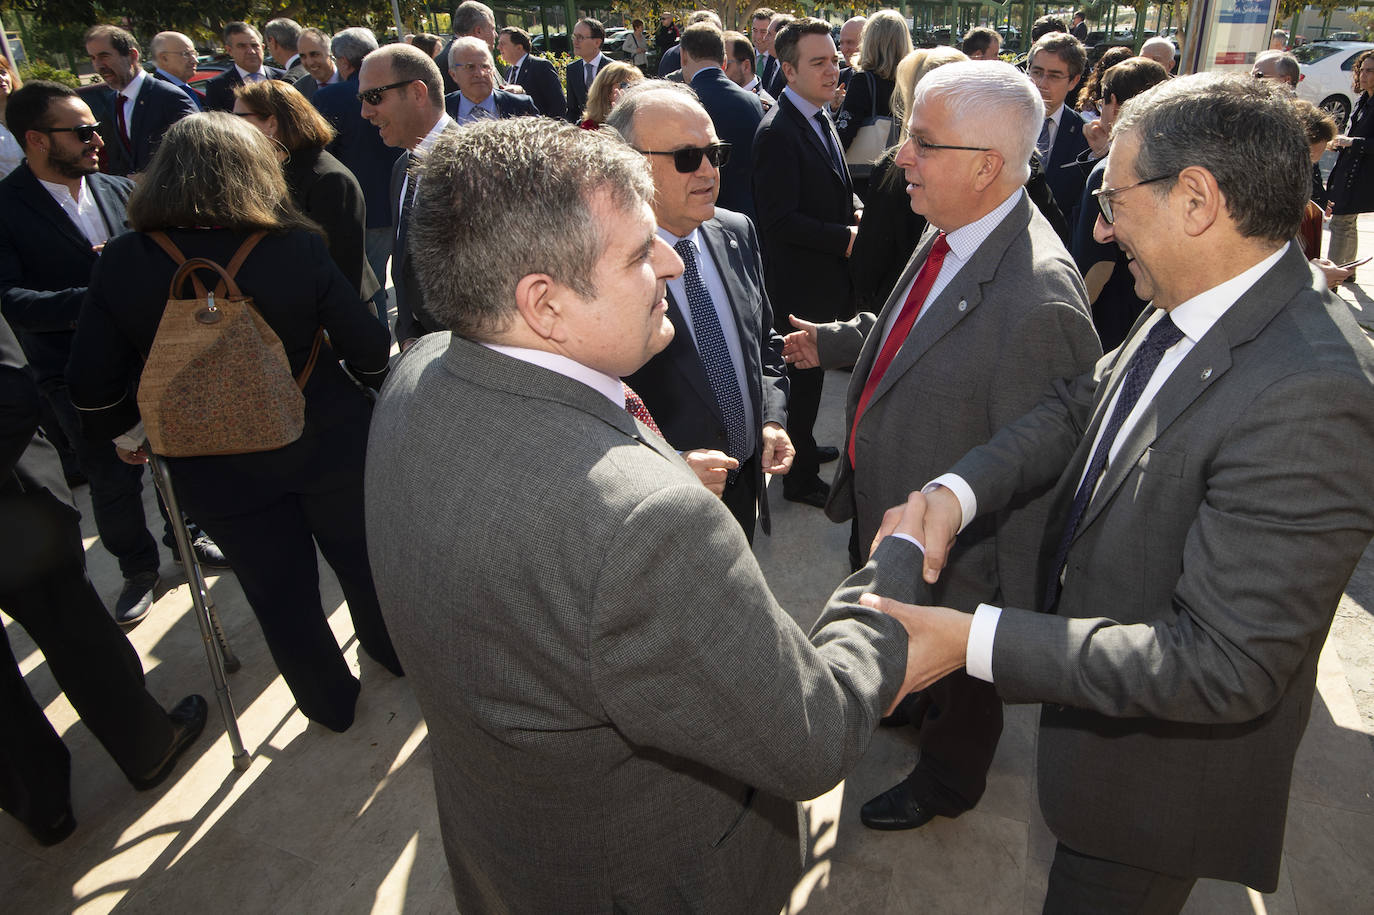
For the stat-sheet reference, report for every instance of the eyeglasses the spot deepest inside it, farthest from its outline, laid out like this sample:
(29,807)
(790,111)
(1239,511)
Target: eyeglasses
(467,68)
(1039,73)
(923,148)
(688,159)
(84,132)
(374,96)
(1104,195)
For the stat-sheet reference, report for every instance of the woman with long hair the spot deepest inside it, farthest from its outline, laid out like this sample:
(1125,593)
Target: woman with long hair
(321,186)
(610,81)
(10,152)
(1351,186)
(213,183)
(885,42)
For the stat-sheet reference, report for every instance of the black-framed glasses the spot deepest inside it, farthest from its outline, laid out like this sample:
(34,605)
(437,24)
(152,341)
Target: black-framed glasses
(923,147)
(1104,195)
(84,132)
(374,96)
(688,159)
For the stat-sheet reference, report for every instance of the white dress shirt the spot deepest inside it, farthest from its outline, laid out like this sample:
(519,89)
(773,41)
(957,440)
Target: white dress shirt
(82,210)
(131,92)
(608,386)
(715,287)
(513,74)
(1194,317)
(419,152)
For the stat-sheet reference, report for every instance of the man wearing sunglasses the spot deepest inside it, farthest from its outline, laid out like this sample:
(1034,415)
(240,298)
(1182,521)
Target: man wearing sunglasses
(144,107)
(59,212)
(989,311)
(719,390)
(402,95)
(1212,482)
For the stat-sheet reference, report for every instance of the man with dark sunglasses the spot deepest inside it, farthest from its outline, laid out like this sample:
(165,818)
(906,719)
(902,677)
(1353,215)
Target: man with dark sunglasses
(719,390)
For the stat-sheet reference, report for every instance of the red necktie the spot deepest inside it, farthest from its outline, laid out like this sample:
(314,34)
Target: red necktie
(906,319)
(634,405)
(123,124)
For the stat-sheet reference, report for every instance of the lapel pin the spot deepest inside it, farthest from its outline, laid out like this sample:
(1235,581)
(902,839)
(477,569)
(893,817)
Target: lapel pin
(733,243)
(1207,373)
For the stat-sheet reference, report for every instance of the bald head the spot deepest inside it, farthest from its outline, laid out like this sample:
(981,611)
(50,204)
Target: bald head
(174,53)
(850,33)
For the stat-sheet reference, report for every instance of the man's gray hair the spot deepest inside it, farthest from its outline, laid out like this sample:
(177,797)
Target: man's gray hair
(500,200)
(469,15)
(472,42)
(1285,65)
(647,93)
(314,34)
(1243,131)
(995,106)
(353,45)
(285,32)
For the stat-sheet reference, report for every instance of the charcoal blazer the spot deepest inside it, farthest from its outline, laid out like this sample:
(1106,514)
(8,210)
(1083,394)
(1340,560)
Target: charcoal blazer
(411,318)
(46,263)
(329,194)
(508,104)
(736,115)
(159,105)
(219,92)
(1067,166)
(673,384)
(540,79)
(623,717)
(578,84)
(1178,667)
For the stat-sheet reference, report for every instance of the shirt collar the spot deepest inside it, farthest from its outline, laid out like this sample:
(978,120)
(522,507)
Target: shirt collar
(135,85)
(613,389)
(465,106)
(62,192)
(752,84)
(964,241)
(244,74)
(433,136)
(693,236)
(807,109)
(1197,315)
(174,80)
(1056,115)
(520,61)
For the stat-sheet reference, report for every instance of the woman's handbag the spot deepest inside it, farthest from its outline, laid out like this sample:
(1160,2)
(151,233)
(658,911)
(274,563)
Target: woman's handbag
(872,140)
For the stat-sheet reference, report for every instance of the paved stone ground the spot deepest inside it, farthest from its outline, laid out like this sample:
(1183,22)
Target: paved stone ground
(325,822)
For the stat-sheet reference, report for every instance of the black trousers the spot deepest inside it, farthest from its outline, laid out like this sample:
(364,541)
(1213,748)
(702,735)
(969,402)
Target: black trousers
(1083,885)
(803,403)
(95,666)
(742,497)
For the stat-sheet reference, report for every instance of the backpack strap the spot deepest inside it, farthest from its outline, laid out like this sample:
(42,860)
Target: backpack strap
(226,281)
(304,376)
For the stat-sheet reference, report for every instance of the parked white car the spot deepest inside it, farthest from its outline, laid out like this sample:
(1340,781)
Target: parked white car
(1326,75)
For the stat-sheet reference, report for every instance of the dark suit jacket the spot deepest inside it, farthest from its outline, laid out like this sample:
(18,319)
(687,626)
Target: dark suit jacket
(1349,188)
(28,463)
(576,73)
(774,80)
(1066,168)
(508,104)
(411,318)
(329,194)
(359,147)
(540,79)
(673,384)
(1178,667)
(804,211)
(46,262)
(307,86)
(626,698)
(736,115)
(670,61)
(195,95)
(159,105)
(219,92)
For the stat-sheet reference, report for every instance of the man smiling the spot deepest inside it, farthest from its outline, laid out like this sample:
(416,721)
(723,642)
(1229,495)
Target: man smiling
(143,107)
(244,45)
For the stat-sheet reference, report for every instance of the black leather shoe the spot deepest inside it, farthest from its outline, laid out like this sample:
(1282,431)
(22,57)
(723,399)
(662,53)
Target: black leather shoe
(136,599)
(814,493)
(55,832)
(208,554)
(827,453)
(188,720)
(894,809)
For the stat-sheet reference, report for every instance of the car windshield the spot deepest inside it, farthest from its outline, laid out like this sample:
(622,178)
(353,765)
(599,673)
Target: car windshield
(1311,53)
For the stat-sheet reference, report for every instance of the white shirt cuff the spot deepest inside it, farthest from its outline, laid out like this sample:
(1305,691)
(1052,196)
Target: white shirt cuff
(133,439)
(909,539)
(982,632)
(968,502)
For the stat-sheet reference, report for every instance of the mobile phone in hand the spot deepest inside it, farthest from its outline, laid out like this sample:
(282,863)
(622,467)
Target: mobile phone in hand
(1359,263)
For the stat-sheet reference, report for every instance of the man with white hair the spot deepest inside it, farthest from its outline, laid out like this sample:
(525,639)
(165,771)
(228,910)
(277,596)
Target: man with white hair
(989,311)
(1161,51)
(471,65)
(1277,65)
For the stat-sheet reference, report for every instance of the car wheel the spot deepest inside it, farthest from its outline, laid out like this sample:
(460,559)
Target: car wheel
(1339,108)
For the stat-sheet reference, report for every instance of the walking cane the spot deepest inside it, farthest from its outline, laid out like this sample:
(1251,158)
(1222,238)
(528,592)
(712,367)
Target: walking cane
(217,652)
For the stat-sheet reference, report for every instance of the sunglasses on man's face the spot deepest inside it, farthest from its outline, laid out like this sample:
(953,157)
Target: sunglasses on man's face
(84,132)
(374,96)
(688,159)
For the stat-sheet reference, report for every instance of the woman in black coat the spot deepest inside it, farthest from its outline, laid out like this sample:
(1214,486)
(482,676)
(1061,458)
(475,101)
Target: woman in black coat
(885,43)
(1350,188)
(321,186)
(213,182)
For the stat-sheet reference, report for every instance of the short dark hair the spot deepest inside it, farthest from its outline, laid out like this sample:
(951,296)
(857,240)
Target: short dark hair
(469,14)
(427,42)
(763,12)
(1078,14)
(238,28)
(121,40)
(594,26)
(1244,131)
(637,23)
(518,36)
(703,41)
(1124,81)
(739,48)
(1065,47)
(28,107)
(785,45)
(1045,25)
(977,40)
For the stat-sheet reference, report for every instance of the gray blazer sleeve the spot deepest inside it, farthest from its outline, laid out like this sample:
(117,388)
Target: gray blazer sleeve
(840,342)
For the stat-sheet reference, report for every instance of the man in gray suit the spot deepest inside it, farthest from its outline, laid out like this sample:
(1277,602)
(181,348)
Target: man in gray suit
(622,716)
(1213,498)
(999,312)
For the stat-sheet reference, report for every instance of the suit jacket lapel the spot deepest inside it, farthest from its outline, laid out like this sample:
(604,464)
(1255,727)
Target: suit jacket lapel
(725,249)
(110,206)
(38,198)
(809,132)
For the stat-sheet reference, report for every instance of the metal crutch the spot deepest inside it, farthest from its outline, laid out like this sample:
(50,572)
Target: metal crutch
(217,652)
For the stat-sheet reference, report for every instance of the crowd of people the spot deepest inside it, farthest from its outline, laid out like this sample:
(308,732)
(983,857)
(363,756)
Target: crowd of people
(616,298)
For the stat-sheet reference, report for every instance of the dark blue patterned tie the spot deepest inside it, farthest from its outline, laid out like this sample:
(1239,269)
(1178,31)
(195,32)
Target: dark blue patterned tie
(715,355)
(1163,335)
(832,144)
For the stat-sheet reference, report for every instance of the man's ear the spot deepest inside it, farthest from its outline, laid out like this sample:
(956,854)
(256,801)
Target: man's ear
(990,165)
(540,302)
(1201,199)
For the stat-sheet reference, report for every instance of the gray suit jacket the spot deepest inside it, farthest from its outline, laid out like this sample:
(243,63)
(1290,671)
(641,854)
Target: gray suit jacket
(1014,318)
(622,716)
(1179,667)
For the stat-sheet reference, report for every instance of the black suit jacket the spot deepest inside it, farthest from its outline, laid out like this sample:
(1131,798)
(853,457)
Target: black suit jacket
(359,147)
(736,115)
(46,263)
(773,79)
(804,210)
(673,384)
(539,78)
(508,104)
(576,73)
(328,193)
(1067,166)
(411,318)
(219,92)
(159,105)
